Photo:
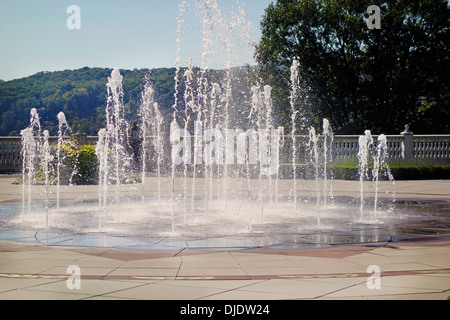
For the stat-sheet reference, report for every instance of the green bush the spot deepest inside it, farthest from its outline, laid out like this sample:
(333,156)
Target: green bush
(345,172)
(434,172)
(406,172)
(79,164)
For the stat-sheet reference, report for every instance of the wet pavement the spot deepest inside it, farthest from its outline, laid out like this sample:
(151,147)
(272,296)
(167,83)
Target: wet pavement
(412,257)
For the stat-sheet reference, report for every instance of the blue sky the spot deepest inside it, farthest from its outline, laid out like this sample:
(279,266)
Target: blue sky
(114,33)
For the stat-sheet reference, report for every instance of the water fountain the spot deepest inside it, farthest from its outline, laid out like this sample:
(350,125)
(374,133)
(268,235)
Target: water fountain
(292,98)
(364,144)
(218,180)
(30,154)
(46,159)
(313,145)
(62,123)
(327,156)
(151,122)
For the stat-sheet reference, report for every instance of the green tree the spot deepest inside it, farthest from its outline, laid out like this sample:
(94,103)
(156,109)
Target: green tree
(361,78)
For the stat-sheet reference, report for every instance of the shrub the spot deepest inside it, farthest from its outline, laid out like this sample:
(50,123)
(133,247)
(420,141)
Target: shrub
(405,172)
(345,172)
(79,164)
(434,172)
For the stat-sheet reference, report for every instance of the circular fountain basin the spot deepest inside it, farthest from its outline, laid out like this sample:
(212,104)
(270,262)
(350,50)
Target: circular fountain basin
(195,223)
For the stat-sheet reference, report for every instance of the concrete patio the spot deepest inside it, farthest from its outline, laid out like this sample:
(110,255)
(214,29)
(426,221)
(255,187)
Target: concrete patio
(417,271)
(414,267)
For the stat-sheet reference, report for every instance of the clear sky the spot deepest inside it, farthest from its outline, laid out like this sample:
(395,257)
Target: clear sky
(114,33)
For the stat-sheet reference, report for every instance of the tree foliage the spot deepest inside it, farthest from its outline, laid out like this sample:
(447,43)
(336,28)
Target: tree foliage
(361,78)
(80,94)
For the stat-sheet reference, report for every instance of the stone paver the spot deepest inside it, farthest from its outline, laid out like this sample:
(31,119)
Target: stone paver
(26,270)
(408,269)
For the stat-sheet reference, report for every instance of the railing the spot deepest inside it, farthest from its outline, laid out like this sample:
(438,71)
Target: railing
(406,146)
(435,147)
(11,147)
(10,154)
(346,146)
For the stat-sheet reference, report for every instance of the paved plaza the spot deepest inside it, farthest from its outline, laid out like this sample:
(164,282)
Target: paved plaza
(416,266)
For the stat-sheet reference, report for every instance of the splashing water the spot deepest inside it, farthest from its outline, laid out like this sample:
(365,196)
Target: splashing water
(62,123)
(327,155)
(116,130)
(216,201)
(294,111)
(364,148)
(28,156)
(380,163)
(46,159)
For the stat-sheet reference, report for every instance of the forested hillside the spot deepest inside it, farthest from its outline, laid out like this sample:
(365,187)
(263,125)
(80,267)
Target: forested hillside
(80,94)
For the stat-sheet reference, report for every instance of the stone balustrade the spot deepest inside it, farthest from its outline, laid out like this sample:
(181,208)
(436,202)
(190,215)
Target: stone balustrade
(435,147)
(10,150)
(10,154)
(405,146)
(346,146)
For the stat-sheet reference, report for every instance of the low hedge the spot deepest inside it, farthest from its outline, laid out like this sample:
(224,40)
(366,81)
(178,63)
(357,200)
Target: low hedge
(432,172)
